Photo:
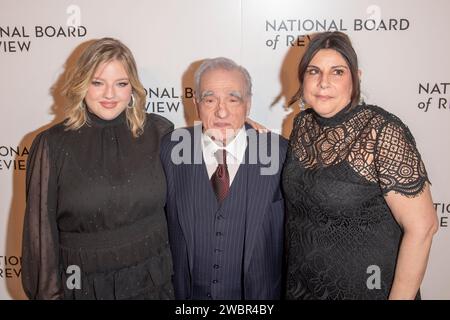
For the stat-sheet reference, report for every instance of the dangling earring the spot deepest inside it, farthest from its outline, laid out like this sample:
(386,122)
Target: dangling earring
(82,105)
(132,102)
(361,99)
(302,104)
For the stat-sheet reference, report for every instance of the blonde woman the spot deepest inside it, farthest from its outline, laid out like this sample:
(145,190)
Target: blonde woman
(94,225)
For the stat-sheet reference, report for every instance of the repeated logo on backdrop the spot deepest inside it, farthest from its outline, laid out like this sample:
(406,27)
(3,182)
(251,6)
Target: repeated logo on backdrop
(10,267)
(295,32)
(17,39)
(13,157)
(443,212)
(434,96)
(166,99)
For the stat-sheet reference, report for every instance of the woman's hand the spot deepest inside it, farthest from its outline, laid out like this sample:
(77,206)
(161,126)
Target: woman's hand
(259,127)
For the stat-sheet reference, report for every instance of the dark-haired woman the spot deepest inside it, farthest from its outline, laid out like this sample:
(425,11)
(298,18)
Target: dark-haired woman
(360,217)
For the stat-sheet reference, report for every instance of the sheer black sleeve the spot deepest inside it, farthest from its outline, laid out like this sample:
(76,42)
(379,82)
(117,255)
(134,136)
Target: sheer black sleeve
(162,124)
(398,162)
(40,247)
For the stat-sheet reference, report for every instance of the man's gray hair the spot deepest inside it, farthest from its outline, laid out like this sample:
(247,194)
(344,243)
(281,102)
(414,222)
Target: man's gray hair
(225,64)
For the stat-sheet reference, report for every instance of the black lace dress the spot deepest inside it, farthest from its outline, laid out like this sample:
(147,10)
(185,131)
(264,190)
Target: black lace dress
(339,229)
(95,226)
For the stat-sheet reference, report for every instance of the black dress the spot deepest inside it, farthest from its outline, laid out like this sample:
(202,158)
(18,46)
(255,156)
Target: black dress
(340,231)
(95,226)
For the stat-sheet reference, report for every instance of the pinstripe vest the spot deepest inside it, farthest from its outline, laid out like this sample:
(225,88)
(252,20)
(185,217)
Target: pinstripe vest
(219,237)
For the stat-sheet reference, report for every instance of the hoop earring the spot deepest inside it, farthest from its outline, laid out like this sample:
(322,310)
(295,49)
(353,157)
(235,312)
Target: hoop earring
(132,102)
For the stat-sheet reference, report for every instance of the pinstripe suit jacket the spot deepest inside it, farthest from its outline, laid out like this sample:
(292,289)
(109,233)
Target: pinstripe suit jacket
(263,250)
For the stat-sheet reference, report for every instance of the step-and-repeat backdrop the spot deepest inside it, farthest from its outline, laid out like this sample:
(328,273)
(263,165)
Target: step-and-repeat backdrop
(403,47)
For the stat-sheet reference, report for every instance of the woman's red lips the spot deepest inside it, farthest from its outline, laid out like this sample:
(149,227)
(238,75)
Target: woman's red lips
(108,104)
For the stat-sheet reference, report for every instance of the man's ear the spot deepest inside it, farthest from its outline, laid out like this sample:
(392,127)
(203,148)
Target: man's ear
(196,107)
(248,106)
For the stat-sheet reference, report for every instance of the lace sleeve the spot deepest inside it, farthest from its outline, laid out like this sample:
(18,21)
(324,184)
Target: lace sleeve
(40,249)
(398,162)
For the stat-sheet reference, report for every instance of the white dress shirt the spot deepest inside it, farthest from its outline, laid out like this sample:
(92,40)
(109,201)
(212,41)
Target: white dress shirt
(235,153)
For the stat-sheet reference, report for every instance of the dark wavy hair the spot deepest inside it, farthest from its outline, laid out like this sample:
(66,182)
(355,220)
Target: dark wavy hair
(340,42)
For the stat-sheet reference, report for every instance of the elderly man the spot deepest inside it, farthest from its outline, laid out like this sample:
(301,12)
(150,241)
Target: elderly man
(225,208)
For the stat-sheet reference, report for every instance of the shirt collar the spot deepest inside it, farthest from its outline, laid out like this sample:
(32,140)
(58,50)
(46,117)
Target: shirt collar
(235,149)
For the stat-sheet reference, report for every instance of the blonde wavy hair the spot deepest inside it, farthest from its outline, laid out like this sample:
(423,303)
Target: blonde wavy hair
(80,76)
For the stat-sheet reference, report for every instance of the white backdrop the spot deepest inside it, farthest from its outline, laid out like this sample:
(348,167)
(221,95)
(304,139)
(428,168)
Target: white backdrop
(404,62)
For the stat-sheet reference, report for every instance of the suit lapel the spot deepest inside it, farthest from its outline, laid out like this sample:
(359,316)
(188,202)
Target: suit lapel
(185,198)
